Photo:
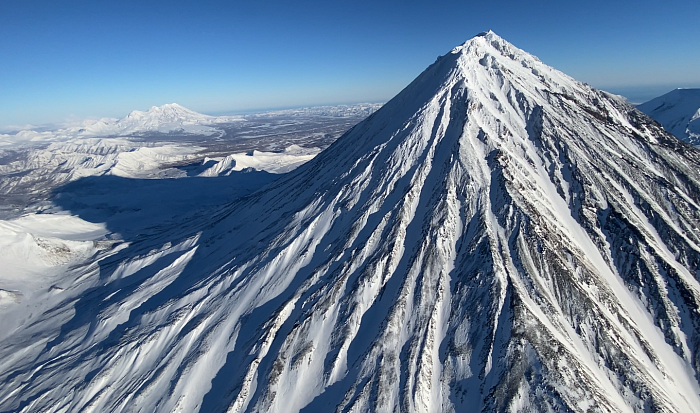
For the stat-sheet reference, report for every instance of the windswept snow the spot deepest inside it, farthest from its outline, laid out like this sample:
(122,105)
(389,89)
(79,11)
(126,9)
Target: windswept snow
(273,162)
(36,252)
(497,237)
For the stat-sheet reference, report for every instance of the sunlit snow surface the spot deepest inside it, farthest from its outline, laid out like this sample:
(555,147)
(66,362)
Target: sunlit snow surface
(497,237)
(679,113)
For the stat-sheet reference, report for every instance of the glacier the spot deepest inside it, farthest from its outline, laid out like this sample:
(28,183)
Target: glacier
(497,237)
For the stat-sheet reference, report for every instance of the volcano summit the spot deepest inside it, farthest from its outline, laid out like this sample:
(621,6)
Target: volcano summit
(497,237)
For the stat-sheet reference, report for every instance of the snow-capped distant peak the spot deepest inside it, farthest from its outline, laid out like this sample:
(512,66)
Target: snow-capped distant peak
(174,106)
(679,113)
(171,112)
(161,119)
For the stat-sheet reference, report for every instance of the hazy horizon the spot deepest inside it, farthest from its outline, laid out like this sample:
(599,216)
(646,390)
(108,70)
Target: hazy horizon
(634,94)
(77,59)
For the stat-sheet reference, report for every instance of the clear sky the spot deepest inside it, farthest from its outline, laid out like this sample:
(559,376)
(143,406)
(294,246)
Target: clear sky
(73,59)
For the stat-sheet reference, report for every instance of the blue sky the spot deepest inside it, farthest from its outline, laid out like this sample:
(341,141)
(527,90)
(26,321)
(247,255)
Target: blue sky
(73,59)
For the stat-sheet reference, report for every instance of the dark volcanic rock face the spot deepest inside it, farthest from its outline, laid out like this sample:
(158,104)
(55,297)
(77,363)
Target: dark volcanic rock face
(498,237)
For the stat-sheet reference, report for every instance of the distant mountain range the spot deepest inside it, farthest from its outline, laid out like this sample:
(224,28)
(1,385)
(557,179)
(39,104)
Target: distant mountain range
(679,113)
(162,119)
(170,119)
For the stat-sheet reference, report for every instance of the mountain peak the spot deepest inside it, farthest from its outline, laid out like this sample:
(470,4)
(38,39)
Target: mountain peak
(489,43)
(481,38)
(165,119)
(489,34)
(172,107)
(168,108)
(168,112)
(678,111)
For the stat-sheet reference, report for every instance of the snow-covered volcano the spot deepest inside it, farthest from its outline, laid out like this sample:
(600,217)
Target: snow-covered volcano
(678,111)
(497,237)
(167,118)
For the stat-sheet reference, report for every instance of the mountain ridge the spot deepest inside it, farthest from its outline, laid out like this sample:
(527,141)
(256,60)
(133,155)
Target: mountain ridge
(678,111)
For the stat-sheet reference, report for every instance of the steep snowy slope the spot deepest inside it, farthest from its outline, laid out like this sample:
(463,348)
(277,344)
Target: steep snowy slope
(498,237)
(678,111)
